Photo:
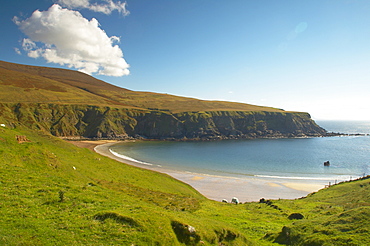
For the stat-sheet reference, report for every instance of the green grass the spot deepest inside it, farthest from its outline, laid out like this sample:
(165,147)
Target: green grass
(338,215)
(144,203)
(53,193)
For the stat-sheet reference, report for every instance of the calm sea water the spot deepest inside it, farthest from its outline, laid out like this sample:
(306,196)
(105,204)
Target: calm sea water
(276,158)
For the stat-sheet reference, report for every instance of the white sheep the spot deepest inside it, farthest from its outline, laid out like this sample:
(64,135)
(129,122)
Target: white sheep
(235,200)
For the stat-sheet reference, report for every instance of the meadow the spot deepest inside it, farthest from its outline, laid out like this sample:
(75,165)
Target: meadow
(54,193)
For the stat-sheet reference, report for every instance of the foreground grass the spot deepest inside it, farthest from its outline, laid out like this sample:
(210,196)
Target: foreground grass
(54,193)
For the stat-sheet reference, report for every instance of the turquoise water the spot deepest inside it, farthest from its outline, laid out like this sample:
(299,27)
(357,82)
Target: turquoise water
(278,158)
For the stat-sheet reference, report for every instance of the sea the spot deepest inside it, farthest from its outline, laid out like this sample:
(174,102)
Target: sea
(291,158)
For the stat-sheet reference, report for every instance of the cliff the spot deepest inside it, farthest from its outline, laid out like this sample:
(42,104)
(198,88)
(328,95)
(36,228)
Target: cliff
(122,123)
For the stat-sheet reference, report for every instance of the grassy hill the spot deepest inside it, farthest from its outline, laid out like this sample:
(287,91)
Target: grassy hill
(72,104)
(54,193)
(30,84)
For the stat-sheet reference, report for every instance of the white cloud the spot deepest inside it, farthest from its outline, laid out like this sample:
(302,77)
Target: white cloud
(107,7)
(31,48)
(17,51)
(69,39)
(28,44)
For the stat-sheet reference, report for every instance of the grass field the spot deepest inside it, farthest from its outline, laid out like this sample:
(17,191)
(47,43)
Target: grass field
(54,193)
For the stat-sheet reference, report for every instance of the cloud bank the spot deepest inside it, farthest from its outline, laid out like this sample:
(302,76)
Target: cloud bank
(69,39)
(107,7)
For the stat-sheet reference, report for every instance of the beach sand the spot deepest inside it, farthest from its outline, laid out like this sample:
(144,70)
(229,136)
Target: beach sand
(246,189)
(90,144)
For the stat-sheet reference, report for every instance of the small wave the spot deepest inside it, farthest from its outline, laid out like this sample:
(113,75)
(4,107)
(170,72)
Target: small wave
(304,178)
(129,158)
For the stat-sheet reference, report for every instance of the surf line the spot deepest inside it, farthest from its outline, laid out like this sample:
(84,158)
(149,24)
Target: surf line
(302,178)
(129,158)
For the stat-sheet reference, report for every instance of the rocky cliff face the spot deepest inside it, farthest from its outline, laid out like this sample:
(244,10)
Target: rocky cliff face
(121,123)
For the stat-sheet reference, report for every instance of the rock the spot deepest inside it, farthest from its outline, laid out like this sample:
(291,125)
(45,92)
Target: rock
(185,233)
(191,229)
(268,202)
(22,139)
(295,216)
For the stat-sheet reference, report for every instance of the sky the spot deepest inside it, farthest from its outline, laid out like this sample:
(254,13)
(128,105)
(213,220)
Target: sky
(310,56)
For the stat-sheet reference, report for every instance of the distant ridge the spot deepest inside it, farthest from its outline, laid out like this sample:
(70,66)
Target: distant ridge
(32,84)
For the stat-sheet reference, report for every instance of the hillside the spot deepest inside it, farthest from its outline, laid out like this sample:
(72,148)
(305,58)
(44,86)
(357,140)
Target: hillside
(30,84)
(54,193)
(72,104)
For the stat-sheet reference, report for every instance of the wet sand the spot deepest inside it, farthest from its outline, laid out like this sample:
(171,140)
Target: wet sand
(222,187)
(90,144)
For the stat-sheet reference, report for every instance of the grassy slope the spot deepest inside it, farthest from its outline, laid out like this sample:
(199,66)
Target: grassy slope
(21,83)
(109,203)
(143,203)
(339,215)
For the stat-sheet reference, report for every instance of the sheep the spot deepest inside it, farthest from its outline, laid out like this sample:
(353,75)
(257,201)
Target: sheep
(235,200)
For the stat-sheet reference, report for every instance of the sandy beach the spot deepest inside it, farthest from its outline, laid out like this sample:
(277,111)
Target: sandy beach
(222,187)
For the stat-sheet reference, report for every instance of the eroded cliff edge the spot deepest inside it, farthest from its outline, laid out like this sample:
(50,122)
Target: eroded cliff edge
(121,123)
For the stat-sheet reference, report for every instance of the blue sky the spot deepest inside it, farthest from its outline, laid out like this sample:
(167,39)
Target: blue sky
(310,56)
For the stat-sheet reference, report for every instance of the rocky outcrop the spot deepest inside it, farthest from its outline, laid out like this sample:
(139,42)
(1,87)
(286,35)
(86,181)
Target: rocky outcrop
(122,123)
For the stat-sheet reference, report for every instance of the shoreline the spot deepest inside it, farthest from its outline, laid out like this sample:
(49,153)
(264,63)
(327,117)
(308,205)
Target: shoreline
(246,189)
